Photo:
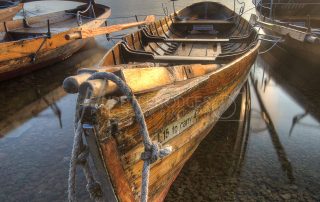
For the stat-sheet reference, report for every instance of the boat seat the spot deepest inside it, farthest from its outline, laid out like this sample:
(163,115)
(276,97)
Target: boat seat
(131,55)
(202,22)
(204,25)
(147,38)
(186,40)
(183,59)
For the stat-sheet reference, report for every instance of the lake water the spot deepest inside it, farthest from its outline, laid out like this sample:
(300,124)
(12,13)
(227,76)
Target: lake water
(267,150)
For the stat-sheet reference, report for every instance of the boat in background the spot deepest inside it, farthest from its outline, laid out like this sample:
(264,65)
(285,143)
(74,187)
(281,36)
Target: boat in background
(297,22)
(185,70)
(8,9)
(32,43)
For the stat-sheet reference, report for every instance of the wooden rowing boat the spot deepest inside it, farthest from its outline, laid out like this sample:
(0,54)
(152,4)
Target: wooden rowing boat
(185,70)
(298,23)
(8,9)
(32,43)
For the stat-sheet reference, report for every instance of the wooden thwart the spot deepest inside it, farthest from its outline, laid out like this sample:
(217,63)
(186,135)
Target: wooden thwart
(183,59)
(181,40)
(203,22)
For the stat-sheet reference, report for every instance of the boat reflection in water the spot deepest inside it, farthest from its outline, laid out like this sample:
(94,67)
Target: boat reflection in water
(279,153)
(34,150)
(27,96)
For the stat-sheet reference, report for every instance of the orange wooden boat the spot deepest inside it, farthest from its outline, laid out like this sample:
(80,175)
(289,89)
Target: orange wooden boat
(184,70)
(8,9)
(32,43)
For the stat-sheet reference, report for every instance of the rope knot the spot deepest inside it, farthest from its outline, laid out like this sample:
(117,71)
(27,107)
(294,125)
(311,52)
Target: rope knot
(154,152)
(94,190)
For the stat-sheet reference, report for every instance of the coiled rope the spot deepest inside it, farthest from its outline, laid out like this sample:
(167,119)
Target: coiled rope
(152,150)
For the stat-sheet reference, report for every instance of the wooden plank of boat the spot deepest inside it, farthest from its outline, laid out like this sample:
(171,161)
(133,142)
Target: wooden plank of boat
(180,103)
(40,40)
(8,9)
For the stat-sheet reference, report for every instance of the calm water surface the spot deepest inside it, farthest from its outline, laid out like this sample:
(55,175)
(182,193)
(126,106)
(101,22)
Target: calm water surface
(265,148)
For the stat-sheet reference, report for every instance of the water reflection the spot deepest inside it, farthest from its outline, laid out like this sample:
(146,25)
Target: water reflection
(279,159)
(299,79)
(212,172)
(281,153)
(25,97)
(34,150)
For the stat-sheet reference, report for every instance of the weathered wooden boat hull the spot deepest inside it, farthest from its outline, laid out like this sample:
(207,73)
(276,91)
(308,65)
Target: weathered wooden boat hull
(198,80)
(8,13)
(286,16)
(28,54)
(219,97)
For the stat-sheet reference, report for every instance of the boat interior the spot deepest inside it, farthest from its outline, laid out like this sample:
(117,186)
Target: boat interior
(203,33)
(298,14)
(48,24)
